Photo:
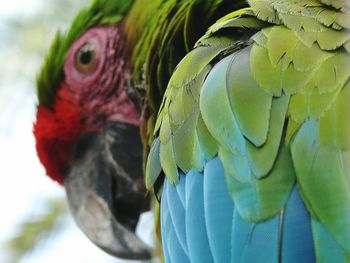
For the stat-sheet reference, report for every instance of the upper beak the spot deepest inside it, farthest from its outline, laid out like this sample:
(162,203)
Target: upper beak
(105,190)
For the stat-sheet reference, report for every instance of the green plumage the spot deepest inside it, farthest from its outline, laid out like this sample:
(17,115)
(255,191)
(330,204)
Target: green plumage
(267,90)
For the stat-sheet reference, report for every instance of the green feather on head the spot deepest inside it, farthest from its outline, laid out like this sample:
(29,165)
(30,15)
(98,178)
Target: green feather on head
(100,12)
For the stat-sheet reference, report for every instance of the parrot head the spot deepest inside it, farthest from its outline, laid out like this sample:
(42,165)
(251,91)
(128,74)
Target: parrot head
(87,129)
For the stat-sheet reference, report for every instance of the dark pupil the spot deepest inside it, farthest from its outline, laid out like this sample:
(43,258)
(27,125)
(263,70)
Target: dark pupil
(85,57)
(86,54)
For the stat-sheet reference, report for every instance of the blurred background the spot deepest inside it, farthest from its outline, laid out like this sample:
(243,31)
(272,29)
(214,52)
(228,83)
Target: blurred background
(35,225)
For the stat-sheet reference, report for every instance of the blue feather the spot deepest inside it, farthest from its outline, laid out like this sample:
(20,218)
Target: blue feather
(253,243)
(219,209)
(177,213)
(181,189)
(164,225)
(197,239)
(297,243)
(176,252)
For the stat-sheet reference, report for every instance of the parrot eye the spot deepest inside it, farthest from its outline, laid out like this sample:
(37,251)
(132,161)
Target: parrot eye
(85,60)
(86,57)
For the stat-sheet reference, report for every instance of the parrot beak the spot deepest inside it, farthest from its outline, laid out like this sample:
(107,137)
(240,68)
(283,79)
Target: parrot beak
(105,190)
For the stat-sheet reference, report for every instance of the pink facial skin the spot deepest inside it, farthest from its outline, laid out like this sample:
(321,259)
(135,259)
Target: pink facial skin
(100,92)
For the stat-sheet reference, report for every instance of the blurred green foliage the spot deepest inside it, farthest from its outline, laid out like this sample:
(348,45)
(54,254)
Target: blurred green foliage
(36,229)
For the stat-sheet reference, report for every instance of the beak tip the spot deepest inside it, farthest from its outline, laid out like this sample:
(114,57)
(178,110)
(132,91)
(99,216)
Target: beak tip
(93,216)
(135,253)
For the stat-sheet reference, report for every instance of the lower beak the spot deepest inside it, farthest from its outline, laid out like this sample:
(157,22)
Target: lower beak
(105,190)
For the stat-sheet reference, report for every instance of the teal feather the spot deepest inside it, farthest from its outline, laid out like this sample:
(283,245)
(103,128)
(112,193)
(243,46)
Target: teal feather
(165,215)
(177,213)
(216,198)
(297,242)
(254,242)
(176,252)
(181,190)
(197,239)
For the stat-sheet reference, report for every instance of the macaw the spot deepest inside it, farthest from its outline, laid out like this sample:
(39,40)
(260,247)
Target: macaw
(242,121)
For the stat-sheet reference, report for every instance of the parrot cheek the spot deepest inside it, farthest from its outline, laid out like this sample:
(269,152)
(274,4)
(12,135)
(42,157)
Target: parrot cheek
(105,197)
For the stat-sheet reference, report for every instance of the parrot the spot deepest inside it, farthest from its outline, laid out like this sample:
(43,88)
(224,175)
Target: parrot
(234,111)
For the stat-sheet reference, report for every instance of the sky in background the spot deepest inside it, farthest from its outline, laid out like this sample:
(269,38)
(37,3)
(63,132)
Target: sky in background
(24,185)
(18,7)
